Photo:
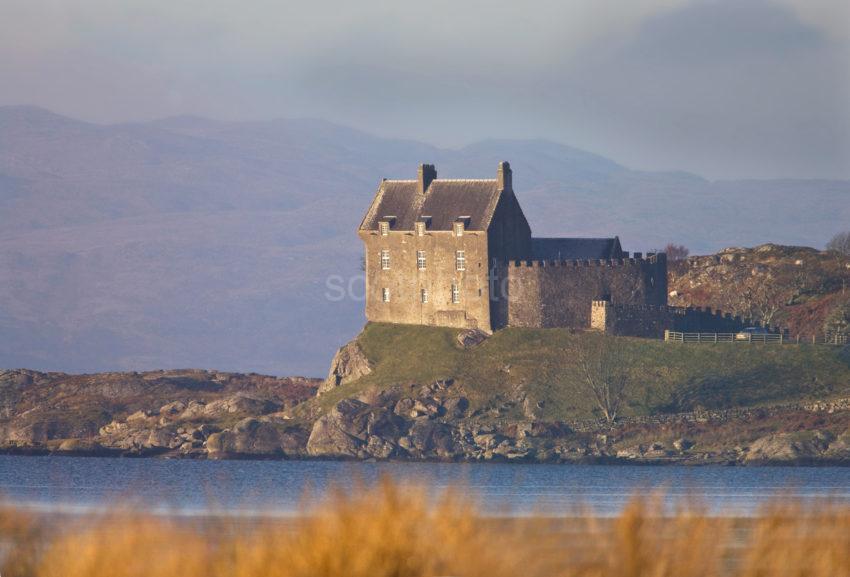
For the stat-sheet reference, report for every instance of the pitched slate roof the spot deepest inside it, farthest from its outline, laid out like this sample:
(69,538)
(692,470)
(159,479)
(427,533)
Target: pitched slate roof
(575,248)
(445,201)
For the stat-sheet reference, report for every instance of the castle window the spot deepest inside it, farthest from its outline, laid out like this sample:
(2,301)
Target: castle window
(460,260)
(423,295)
(385,260)
(420,229)
(459,229)
(455,293)
(420,260)
(385,227)
(385,295)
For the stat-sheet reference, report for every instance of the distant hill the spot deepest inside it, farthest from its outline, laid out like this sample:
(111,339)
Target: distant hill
(192,242)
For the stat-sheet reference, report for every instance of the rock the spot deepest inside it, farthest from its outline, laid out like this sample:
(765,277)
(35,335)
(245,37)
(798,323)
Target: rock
(456,407)
(241,403)
(347,429)
(682,445)
(349,364)
(433,439)
(257,437)
(404,406)
(427,407)
(139,417)
(471,338)
(788,447)
(172,409)
(162,439)
(79,446)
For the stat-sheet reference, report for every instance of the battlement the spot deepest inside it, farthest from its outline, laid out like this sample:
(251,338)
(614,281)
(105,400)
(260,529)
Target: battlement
(650,259)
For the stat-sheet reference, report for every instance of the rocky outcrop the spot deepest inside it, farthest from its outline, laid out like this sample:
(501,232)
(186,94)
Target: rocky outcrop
(257,437)
(789,447)
(355,429)
(349,364)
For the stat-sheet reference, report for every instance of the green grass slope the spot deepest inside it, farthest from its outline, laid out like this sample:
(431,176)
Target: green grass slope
(520,368)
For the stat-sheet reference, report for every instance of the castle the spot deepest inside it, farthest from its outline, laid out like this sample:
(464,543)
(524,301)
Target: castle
(459,253)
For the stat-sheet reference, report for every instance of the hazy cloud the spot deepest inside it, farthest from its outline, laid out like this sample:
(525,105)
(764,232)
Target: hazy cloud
(724,88)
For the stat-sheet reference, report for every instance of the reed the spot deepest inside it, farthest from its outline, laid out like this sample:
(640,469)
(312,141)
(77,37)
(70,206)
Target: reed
(390,530)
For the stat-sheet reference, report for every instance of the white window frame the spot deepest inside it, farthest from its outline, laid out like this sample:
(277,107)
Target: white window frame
(460,260)
(459,229)
(455,293)
(423,295)
(384,227)
(421,261)
(385,259)
(420,228)
(385,295)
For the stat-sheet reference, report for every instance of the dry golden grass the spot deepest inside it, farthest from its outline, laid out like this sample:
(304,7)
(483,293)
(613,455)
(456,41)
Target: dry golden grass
(394,531)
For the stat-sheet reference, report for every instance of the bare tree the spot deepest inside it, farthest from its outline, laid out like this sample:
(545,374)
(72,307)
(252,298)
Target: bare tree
(762,300)
(840,242)
(676,251)
(603,366)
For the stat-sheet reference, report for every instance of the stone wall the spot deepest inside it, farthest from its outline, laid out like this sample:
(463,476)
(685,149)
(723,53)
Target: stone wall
(405,281)
(651,321)
(560,293)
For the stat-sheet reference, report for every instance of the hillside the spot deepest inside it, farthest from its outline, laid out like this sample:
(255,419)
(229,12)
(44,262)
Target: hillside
(803,289)
(421,394)
(194,242)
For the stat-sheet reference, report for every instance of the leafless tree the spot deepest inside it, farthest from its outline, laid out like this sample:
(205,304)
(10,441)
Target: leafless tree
(840,242)
(604,367)
(676,251)
(762,300)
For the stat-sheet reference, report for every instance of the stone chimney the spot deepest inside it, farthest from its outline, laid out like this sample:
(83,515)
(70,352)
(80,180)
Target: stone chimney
(505,176)
(427,173)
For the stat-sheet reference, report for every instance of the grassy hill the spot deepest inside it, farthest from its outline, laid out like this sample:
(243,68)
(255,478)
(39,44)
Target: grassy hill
(520,371)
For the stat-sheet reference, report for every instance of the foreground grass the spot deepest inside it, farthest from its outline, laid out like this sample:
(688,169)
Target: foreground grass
(540,364)
(394,531)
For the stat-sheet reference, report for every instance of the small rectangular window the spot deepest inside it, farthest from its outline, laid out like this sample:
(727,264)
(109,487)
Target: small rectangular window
(420,228)
(458,229)
(420,259)
(455,294)
(385,228)
(385,260)
(460,260)
(423,295)
(385,295)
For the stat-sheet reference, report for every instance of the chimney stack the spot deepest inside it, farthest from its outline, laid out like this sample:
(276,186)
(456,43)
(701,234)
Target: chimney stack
(427,173)
(505,176)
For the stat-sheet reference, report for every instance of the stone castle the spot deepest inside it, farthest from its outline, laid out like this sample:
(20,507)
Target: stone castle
(459,253)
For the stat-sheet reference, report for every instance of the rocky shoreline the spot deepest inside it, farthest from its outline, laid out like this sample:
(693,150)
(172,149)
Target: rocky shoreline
(212,415)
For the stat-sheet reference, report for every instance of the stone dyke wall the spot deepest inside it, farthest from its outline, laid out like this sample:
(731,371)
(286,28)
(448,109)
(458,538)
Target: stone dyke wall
(547,294)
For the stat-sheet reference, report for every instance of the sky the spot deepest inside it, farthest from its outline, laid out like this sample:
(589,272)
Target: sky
(722,88)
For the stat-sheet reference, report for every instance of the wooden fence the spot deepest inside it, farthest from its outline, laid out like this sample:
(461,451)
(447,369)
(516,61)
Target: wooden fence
(747,338)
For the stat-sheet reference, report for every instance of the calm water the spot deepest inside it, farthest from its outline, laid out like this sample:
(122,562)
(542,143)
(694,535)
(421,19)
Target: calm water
(277,487)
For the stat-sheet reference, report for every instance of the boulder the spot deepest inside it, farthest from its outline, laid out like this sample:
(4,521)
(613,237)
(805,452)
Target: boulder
(456,407)
(256,437)
(433,439)
(349,364)
(347,431)
(788,447)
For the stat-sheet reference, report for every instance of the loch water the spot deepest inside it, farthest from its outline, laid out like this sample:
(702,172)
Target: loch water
(190,487)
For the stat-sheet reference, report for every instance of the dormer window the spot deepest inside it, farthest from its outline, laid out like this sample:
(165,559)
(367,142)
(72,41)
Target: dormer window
(460,224)
(386,224)
(422,225)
